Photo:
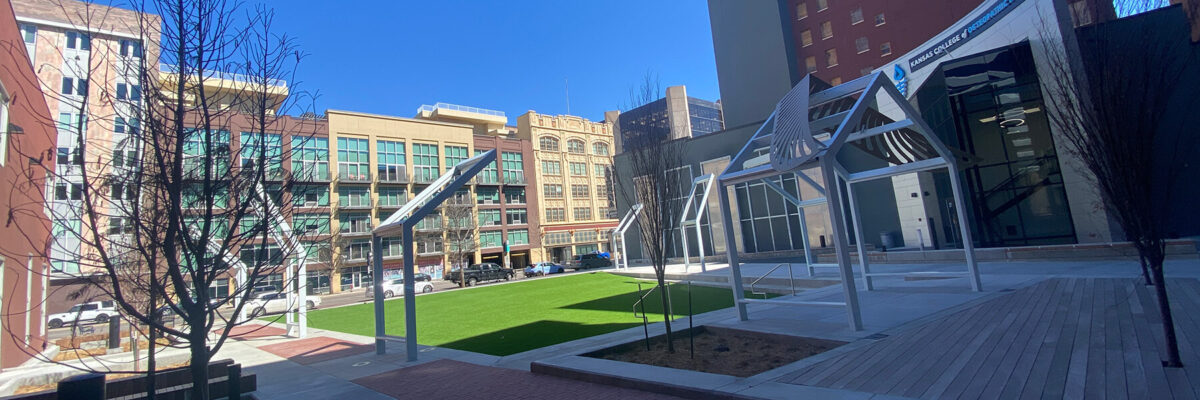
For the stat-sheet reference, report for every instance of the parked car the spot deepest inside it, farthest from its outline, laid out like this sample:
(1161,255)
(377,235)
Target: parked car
(395,287)
(585,261)
(481,273)
(269,303)
(544,268)
(422,277)
(96,311)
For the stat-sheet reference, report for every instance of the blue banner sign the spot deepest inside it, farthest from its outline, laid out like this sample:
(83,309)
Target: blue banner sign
(995,13)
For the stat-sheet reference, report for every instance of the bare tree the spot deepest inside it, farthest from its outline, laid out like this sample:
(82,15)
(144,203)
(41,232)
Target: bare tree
(174,203)
(652,177)
(1111,105)
(461,237)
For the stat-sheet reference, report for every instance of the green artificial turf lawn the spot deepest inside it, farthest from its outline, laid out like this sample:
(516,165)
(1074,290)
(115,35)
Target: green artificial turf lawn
(509,319)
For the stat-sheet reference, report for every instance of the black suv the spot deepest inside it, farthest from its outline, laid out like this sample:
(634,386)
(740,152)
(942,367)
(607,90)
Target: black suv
(584,261)
(481,272)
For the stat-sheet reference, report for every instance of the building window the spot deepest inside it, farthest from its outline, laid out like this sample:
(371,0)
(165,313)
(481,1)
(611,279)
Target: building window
(826,30)
(856,16)
(355,223)
(389,161)
(601,170)
(600,148)
(810,63)
(392,197)
(583,213)
(837,80)
(489,217)
(880,20)
(831,58)
(120,158)
(555,215)
(551,167)
(861,45)
(489,239)
(310,157)
(119,226)
(311,223)
(354,160)
(514,196)
(74,86)
(579,191)
(426,166)
(548,143)
(310,196)
(517,216)
(518,237)
(69,156)
(801,11)
(866,70)
(354,197)
(578,169)
(122,125)
(64,191)
(455,155)
(822,5)
(124,191)
(485,195)
(129,92)
(131,48)
(576,146)
(806,38)
(78,41)
(552,191)
(514,168)
(254,144)
(356,250)
(885,48)
(28,33)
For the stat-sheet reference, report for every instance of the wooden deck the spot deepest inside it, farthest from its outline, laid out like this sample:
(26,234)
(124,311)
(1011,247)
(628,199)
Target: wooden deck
(1061,338)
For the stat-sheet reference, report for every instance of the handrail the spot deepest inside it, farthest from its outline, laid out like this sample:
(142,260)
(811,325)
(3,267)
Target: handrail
(791,279)
(639,301)
(669,306)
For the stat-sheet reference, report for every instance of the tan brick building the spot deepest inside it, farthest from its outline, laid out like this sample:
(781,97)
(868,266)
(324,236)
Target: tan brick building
(573,160)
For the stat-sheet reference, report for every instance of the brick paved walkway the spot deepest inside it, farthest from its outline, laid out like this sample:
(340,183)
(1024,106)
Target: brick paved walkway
(448,379)
(316,349)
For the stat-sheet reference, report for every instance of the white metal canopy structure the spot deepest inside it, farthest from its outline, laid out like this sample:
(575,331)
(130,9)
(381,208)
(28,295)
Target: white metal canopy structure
(290,247)
(618,233)
(859,131)
(402,222)
(705,183)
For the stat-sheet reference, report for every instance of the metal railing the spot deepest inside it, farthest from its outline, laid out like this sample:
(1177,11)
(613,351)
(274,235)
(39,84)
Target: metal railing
(456,107)
(791,279)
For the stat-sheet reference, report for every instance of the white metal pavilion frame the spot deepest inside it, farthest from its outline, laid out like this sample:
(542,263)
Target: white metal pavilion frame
(290,247)
(704,182)
(859,131)
(403,221)
(618,233)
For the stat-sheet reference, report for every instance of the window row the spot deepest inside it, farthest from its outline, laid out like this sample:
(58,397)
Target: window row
(574,146)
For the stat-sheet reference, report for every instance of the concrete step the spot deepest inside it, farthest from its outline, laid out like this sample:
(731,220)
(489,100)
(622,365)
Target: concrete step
(801,282)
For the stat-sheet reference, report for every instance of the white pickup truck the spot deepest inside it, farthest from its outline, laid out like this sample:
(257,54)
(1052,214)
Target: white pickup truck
(96,311)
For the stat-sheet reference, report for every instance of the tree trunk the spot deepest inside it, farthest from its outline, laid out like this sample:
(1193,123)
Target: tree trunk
(662,291)
(1145,271)
(1164,309)
(199,362)
(462,275)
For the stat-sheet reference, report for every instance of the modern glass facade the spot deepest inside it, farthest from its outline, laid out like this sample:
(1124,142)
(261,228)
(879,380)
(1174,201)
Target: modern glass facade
(705,116)
(990,105)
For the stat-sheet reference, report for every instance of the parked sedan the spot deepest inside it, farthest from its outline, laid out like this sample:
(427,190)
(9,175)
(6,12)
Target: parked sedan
(544,268)
(268,303)
(96,311)
(395,287)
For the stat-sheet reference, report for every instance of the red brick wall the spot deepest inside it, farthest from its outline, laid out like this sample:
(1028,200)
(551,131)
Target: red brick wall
(24,224)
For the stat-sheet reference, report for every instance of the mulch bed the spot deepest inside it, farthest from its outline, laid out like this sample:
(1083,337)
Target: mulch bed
(720,351)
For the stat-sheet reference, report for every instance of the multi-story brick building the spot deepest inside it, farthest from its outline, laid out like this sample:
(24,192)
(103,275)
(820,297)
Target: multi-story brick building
(573,158)
(26,132)
(87,60)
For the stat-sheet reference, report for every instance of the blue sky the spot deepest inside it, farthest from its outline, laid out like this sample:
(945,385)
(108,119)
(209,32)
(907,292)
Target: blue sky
(389,57)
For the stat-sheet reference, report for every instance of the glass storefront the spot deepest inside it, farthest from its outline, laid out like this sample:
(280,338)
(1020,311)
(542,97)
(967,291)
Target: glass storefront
(990,106)
(355,277)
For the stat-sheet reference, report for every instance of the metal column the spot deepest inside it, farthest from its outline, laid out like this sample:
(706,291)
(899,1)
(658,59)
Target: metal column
(377,274)
(735,270)
(840,244)
(860,244)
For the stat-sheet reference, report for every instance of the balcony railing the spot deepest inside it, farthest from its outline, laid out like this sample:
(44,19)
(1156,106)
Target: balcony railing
(351,205)
(514,179)
(357,232)
(387,204)
(486,178)
(394,174)
(348,177)
(424,178)
(456,107)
